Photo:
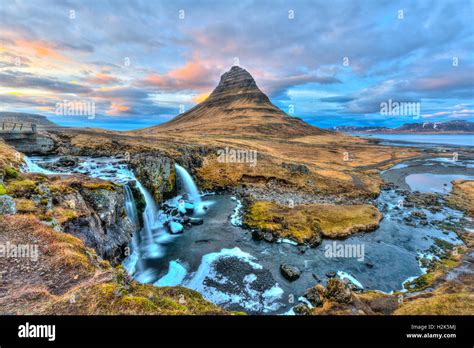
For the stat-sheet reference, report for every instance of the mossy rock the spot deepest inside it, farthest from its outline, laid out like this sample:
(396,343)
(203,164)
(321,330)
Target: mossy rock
(10,173)
(21,188)
(3,190)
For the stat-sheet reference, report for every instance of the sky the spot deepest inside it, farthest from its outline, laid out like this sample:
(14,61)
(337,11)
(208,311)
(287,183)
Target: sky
(139,63)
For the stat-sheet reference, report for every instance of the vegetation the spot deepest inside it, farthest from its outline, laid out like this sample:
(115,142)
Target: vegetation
(303,222)
(79,282)
(462,196)
(10,172)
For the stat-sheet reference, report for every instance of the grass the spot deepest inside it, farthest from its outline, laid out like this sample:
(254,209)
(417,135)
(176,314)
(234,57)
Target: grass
(428,279)
(21,188)
(461,303)
(303,222)
(25,206)
(76,272)
(462,196)
(10,173)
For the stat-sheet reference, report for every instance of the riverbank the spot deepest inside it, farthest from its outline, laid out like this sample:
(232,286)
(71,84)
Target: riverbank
(230,268)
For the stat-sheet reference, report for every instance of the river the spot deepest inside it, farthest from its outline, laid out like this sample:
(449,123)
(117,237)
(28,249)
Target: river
(220,259)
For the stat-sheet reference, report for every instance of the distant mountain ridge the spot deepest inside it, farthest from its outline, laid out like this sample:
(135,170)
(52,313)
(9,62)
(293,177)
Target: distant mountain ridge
(236,106)
(12,117)
(447,127)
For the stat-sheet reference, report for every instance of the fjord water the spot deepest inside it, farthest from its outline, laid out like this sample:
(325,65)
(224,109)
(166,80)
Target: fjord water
(223,262)
(433,139)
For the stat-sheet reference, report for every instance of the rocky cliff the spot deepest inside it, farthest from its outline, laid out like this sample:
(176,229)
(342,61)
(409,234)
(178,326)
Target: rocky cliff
(90,209)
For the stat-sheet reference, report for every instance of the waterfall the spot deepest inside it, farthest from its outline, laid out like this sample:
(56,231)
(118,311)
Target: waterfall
(189,185)
(130,206)
(31,167)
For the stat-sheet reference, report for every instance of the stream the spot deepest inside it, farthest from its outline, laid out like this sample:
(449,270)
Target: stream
(220,259)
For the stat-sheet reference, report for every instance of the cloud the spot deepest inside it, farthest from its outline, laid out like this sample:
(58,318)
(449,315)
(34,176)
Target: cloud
(408,59)
(337,99)
(13,79)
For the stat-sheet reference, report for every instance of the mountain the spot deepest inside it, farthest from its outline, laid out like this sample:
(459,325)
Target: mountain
(236,106)
(355,129)
(458,126)
(16,117)
(447,127)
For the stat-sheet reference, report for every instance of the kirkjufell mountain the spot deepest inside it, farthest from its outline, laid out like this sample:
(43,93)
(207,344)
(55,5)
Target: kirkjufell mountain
(237,106)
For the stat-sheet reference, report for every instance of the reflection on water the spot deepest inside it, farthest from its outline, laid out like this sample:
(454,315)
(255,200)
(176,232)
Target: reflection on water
(437,183)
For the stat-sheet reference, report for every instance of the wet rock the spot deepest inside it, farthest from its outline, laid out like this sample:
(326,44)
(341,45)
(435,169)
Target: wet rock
(7,205)
(156,172)
(66,161)
(257,235)
(331,274)
(301,309)
(175,227)
(290,272)
(313,296)
(269,237)
(338,291)
(301,249)
(419,214)
(196,221)
(315,240)
(189,207)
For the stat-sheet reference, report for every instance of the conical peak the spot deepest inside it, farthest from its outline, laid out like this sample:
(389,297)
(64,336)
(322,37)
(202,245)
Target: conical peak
(237,77)
(238,83)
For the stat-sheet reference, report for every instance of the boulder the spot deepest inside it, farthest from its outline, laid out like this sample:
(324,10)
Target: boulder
(315,240)
(313,296)
(301,309)
(7,205)
(295,168)
(189,207)
(257,235)
(196,221)
(290,272)
(175,227)
(66,161)
(338,291)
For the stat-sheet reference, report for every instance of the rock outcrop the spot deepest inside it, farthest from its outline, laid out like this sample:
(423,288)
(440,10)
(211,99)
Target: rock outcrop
(90,209)
(156,173)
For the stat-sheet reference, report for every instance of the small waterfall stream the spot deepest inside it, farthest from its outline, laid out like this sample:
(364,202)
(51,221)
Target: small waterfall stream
(189,186)
(31,167)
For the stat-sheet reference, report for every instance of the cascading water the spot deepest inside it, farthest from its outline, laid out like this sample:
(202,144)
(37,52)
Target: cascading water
(160,227)
(189,186)
(130,206)
(31,167)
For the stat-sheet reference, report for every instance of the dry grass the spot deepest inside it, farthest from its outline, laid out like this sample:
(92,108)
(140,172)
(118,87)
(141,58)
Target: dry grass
(71,279)
(303,222)
(462,196)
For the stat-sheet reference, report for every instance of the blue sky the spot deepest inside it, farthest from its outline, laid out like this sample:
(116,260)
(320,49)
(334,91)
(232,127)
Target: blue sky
(333,61)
